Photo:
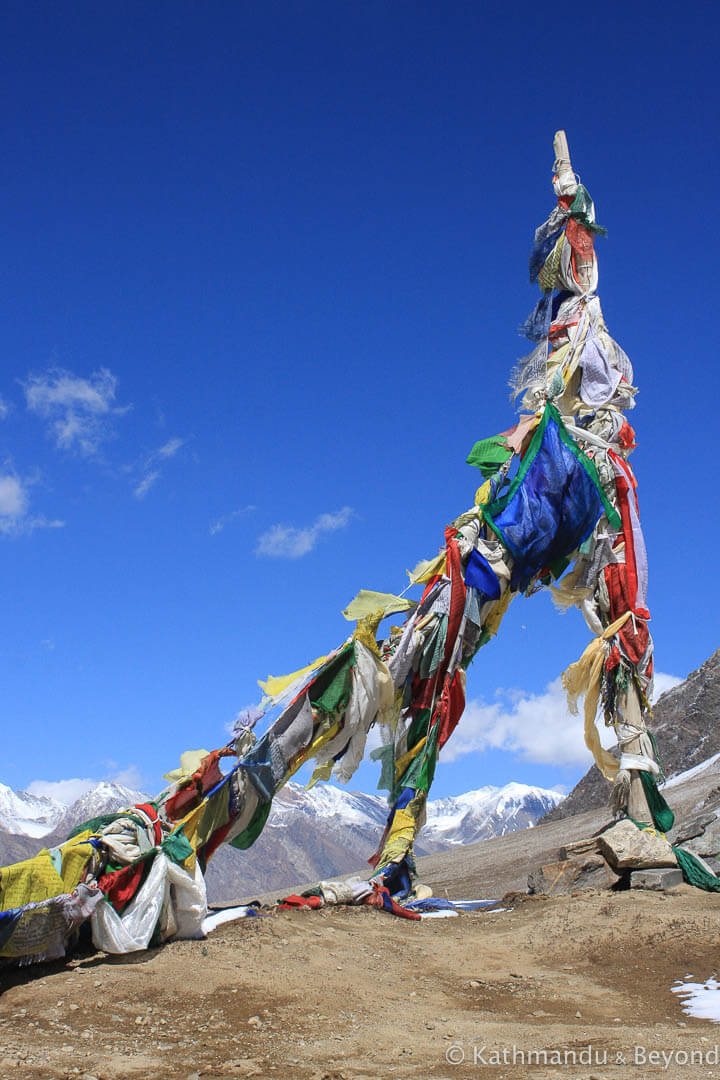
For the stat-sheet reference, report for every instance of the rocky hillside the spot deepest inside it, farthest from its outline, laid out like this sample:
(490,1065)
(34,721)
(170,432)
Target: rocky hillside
(686,726)
(325,832)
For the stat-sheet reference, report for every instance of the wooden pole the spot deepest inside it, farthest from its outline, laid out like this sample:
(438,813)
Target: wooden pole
(565,183)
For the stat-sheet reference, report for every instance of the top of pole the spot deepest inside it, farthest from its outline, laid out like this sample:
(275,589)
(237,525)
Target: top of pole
(564,181)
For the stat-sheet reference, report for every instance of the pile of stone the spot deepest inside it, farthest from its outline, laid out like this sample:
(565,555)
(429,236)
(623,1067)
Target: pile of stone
(623,856)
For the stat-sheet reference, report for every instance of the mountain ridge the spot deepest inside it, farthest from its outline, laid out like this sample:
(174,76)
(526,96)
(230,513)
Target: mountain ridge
(319,833)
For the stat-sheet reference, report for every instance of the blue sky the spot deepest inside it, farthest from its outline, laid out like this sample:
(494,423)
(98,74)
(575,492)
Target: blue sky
(263,267)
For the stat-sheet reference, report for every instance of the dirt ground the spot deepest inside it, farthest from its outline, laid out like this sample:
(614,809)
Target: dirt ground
(354,993)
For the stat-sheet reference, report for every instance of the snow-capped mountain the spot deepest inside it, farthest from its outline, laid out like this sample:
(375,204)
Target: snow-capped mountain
(478,815)
(104,798)
(36,816)
(28,815)
(330,804)
(309,835)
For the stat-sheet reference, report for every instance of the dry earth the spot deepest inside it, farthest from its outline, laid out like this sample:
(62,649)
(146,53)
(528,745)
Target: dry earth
(352,993)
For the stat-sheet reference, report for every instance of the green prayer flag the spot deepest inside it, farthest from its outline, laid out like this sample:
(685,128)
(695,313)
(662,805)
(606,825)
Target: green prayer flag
(330,691)
(489,454)
(583,210)
(249,835)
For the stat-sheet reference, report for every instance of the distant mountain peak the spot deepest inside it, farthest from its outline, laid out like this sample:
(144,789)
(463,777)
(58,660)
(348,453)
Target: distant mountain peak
(37,816)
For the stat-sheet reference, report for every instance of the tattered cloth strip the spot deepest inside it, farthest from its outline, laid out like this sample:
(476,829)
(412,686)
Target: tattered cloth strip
(436,904)
(47,874)
(584,678)
(30,881)
(41,931)
(372,696)
(546,236)
(368,602)
(488,455)
(274,685)
(427,569)
(582,209)
(537,325)
(695,871)
(380,898)
(352,891)
(599,378)
(170,903)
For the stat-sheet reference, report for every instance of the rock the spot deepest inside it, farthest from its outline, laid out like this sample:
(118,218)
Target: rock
(656,880)
(708,843)
(628,848)
(597,874)
(690,829)
(244,1067)
(589,871)
(554,877)
(580,847)
(712,799)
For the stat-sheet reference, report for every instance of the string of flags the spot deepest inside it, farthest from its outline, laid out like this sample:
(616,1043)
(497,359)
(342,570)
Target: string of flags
(557,508)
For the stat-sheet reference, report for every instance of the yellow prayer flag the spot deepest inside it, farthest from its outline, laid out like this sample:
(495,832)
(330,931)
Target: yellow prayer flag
(189,763)
(275,684)
(426,569)
(368,602)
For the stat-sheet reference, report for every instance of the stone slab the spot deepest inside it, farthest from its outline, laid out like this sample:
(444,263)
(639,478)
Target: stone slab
(657,880)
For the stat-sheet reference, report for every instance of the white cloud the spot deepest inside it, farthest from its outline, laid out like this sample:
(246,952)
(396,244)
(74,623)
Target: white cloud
(15,516)
(130,777)
(64,791)
(14,499)
(219,524)
(67,791)
(4,408)
(664,682)
(146,483)
(79,411)
(535,727)
(170,448)
(290,542)
(150,468)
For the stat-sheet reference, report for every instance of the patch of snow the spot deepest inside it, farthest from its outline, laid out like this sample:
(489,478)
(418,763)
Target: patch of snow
(680,778)
(702,1000)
